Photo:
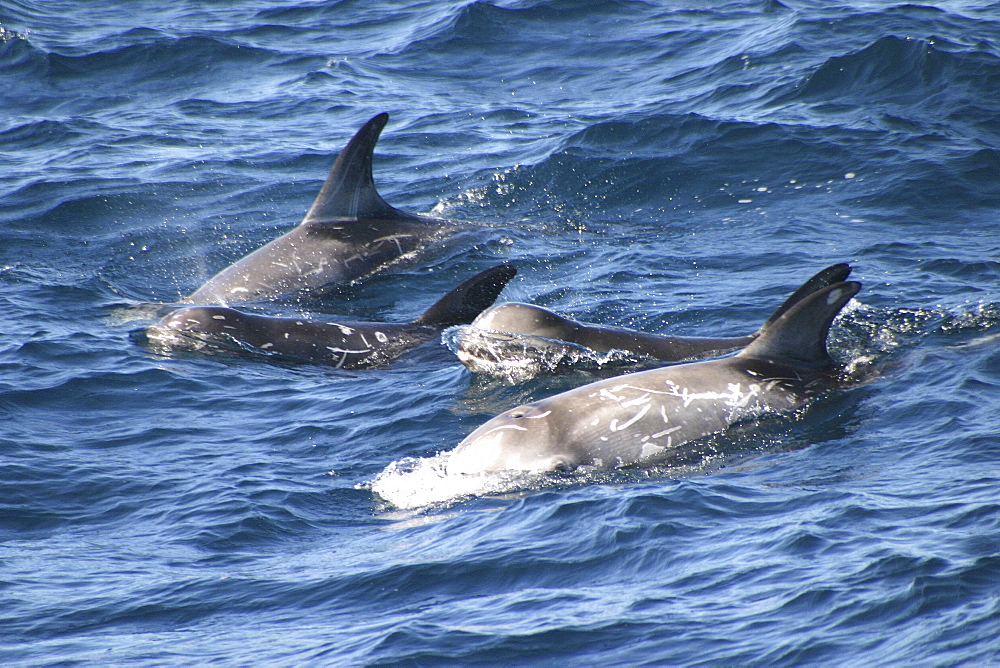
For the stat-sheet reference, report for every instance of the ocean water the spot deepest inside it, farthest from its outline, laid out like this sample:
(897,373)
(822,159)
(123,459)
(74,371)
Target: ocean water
(674,167)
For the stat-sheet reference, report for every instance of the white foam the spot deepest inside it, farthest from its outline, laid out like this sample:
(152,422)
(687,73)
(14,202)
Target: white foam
(520,357)
(417,482)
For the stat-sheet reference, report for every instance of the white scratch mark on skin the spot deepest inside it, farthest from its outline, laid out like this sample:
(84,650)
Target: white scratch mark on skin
(394,239)
(318,269)
(735,398)
(642,399)
(537,417)
(505,426)
(606,394)
(218,317)
(267,345)
(347,351)
(665,432)
(345,330)
(628,423)
(595,422)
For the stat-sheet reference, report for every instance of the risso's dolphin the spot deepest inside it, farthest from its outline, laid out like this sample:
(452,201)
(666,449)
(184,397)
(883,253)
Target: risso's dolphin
(514,339)
(639,418)
(348,232)
(350,345)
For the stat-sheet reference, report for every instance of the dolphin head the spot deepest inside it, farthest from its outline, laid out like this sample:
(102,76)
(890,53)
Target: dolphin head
(517,341)
(202,319)
(521,439)
(517,318)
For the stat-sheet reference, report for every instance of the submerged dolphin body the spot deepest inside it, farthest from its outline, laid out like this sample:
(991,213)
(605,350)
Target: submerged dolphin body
(341,345)
(514,339)
(347,233)
(641,418)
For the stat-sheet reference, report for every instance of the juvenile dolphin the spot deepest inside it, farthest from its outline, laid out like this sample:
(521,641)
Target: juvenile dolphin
(347,233)
(640,418)
(523,339)
(341,345)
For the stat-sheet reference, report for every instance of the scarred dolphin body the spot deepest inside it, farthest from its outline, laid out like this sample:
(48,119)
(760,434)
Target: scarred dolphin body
(514,339)
(642,418)
(348,232)
(343,345)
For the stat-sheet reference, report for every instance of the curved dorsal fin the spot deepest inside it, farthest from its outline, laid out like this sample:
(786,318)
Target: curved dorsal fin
(471,297)
(349,190)
(799,336)
(832,274)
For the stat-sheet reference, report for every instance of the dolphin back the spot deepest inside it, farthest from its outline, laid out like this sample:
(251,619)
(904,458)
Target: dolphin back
(469,299)
(349,190)
(798,336)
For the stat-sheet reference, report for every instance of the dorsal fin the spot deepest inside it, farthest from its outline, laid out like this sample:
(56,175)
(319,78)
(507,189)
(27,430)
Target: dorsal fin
(832,274)
(799,336)
(469,299)
(349,190)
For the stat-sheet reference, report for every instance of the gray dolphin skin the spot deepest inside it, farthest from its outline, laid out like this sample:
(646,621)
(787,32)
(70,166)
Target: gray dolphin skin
(640,418)
(340,345)
(530,336)
(349,232)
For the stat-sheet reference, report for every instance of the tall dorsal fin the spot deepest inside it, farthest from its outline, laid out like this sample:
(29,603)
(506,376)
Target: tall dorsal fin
(832,274)
(799,335)
(469,299)
(349,190)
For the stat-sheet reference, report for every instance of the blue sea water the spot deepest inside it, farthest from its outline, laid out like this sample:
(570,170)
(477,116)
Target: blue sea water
(675,167)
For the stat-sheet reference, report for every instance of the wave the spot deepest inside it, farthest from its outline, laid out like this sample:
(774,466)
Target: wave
(890,69)
(156,60)
(934,85)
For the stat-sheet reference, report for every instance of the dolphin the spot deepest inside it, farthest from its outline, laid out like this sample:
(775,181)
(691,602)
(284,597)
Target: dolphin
(523,339)
(349,232)
(642,418)
(351,345)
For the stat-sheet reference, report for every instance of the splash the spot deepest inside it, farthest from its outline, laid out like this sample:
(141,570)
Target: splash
(867,337)
(164,340)
(135,313)
(423,482)
(881,331)
(6,34)
(519,357)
